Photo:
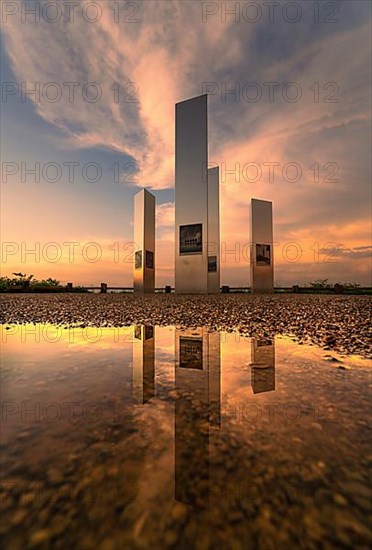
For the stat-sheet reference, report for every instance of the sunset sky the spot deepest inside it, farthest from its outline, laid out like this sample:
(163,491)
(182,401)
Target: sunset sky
(317,117)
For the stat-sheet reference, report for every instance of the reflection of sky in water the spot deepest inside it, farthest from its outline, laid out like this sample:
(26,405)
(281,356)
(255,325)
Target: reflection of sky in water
(180,414)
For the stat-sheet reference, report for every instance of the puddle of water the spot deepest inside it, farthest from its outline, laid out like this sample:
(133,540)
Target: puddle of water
(158,436)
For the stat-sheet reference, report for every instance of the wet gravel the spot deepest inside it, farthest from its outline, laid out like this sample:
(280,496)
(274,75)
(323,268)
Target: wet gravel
(342,323)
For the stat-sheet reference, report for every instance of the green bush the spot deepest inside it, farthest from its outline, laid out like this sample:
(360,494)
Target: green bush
(320,283)
(27,283)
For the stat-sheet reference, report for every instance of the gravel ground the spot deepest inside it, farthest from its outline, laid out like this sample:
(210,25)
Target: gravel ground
(341,323)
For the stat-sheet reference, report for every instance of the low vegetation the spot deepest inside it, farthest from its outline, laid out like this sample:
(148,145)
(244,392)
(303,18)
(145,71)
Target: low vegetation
(27,283)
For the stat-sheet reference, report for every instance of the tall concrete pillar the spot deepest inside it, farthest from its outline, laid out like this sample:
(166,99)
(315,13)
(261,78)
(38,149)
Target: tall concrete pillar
(262,250)
(196,215)
(144,239)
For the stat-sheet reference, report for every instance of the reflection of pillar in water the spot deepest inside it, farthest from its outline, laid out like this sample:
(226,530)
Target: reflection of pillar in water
(143,363)
(263,365)
(214,379)
(197,379)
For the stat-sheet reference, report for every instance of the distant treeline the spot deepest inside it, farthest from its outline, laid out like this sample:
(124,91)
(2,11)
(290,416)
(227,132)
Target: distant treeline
(27,283)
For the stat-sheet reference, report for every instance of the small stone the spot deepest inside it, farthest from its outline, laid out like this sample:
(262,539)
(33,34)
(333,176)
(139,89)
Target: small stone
(28,498)
(19,517)
(39,537)
(179,512)
(107,544)
(24,435)
(332,359)
(170,538)
(235,517)
(340,500)
(54,475)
